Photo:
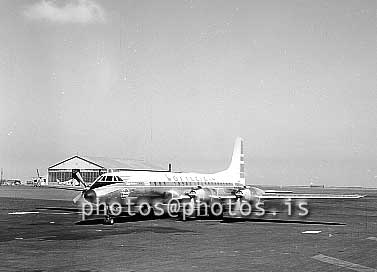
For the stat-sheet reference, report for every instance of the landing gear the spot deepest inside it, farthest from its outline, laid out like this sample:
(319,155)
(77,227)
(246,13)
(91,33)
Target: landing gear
(108,220)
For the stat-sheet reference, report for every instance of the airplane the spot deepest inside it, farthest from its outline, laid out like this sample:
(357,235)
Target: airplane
(138,192)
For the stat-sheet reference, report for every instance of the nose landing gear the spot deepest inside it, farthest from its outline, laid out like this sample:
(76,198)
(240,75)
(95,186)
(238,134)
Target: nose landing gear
(108,220)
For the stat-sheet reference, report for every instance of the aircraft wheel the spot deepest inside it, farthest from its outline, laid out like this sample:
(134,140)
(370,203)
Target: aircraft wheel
(108,221)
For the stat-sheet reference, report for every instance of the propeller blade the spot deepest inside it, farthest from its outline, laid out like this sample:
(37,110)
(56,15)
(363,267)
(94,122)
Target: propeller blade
(237,206)
(77,197)
(77,176)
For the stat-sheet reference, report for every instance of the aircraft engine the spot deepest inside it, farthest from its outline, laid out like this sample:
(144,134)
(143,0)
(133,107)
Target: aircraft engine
(200,194)
(244,194)
(171,194)
(247,193)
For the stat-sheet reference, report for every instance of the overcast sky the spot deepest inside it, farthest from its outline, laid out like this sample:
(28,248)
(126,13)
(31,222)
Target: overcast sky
(177,81)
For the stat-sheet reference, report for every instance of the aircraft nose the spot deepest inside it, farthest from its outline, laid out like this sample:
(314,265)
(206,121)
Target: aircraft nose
(90,195)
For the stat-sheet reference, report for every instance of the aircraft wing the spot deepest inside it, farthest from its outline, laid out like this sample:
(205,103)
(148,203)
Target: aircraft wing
(309,196)
(181,197)
(277,192)
(223,197)
(295,196)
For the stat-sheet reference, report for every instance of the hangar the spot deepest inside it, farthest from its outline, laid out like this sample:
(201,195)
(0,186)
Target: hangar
(92,167)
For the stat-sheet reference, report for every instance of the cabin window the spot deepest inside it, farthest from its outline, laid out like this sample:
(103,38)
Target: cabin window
(109,178)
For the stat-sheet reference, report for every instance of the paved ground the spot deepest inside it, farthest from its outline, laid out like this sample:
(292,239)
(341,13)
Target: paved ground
(48,240)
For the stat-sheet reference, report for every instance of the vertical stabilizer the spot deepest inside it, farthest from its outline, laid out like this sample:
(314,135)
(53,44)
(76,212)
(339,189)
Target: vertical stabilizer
(237,166)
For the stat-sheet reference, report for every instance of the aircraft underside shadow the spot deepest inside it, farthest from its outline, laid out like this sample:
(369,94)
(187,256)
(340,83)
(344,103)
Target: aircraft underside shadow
(279,221)
(138,218)
(64,209)
(122,219)
(225,219)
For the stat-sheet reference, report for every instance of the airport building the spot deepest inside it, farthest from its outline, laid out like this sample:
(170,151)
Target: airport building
(92,167)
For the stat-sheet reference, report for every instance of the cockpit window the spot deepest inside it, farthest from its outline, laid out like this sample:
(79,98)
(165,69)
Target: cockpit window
(100,184)
(105,180)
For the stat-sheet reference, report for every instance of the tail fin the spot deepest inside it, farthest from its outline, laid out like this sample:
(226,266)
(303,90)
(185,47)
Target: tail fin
(237,166)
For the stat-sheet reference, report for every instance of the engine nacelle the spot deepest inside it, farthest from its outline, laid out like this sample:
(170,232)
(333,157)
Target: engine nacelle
(248,193)
(244,194)
(200,194)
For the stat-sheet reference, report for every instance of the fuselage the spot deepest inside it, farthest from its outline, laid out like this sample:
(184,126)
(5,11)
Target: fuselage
(124,185)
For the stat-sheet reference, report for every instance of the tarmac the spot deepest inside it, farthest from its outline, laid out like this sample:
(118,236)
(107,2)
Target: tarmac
(35,237)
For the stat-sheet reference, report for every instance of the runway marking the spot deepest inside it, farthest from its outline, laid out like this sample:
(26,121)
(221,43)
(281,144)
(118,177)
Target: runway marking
(372,238)
(20,213)
(311,231)
(341,263)
(42,237)
(64,213)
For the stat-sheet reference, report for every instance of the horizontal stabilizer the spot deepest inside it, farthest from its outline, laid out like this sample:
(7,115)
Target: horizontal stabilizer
(309,196)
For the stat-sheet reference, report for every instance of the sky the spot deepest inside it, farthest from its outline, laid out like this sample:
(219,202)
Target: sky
(178,81)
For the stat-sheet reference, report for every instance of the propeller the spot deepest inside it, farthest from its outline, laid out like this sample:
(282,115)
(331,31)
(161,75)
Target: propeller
(237,206)
(78,197)
(196,195)
(77,176)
